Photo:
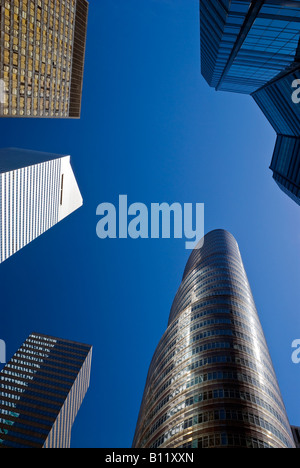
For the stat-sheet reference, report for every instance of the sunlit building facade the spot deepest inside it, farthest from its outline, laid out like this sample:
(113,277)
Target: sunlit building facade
(276,101)
(211,382)
(37,190)
(253,47)
(41,391)
(42,53)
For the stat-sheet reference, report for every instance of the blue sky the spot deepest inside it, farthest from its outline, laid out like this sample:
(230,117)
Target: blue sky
(151,128)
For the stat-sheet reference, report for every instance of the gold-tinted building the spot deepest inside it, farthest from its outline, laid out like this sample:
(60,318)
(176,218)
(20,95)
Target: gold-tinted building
(211,382)
(42,53)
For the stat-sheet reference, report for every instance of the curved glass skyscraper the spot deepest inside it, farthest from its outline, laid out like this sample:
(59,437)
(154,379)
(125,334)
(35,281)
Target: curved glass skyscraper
(211,382)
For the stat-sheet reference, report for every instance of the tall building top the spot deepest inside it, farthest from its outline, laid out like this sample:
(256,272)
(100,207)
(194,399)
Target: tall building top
(212,245)
(42,388)
(17,158)
(245,44)
(37,191)
(63,342)
(42,57)
(211,382)
(207,245)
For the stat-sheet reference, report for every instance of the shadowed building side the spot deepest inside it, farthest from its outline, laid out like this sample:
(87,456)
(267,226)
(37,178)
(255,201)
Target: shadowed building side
(42,388)
(276,102)
(37,190)
(80,34)
(246,44)
(253,47)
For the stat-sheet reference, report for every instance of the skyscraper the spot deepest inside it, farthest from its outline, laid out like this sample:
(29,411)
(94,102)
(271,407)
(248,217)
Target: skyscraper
(275,100)
(37,190)
(247,43)
(255,49)
(42,57)
(41,391)
(211,382)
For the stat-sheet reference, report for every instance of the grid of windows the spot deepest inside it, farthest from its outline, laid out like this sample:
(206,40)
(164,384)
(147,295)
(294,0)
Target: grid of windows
(212,366)
(252,42)
(269,47)
(225,440)
(35,189)
(253,47)
(38,56)
(28,204)
(41,390)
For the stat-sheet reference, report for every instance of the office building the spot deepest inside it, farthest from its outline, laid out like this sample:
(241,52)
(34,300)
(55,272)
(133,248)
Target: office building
(275,99)
(286,166)
(253,47)
(41,391)
(37,190)
(211,382)
(276,102)
(42,57)
(247,43)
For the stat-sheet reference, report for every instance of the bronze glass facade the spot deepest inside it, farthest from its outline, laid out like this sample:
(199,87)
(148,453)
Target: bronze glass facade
(41,391)
(42,52)
(211,382)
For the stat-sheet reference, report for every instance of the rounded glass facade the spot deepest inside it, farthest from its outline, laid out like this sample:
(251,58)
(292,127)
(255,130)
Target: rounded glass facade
(211,382)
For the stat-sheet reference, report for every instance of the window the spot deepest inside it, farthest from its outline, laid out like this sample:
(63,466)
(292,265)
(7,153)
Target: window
(61,189)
